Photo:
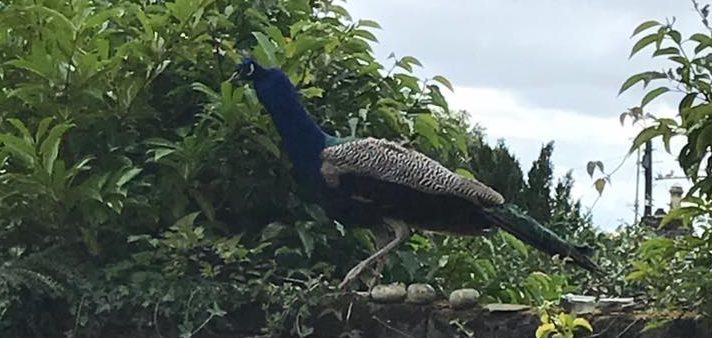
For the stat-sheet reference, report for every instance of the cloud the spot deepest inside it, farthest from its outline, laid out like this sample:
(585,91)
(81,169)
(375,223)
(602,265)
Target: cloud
(578,138)
(562,54)
(535,71)
(506,116)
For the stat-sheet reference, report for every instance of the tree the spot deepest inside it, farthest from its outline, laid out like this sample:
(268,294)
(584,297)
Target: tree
(567,218)
(538,188)
(140,189)
(498,168)
(136,183)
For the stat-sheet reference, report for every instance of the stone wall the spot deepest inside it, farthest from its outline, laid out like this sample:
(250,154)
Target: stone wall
(358,316)
(438,320)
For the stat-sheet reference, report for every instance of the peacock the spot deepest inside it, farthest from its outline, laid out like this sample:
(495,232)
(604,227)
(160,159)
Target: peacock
(370,181)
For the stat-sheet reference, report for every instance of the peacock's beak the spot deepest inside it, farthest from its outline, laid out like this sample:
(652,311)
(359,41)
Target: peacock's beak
(235,77)
(243,72)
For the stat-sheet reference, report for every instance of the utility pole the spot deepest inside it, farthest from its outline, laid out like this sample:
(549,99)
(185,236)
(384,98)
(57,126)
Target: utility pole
(648,167)
(636,204)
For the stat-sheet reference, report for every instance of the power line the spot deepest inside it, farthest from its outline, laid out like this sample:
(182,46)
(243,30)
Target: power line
(661,178)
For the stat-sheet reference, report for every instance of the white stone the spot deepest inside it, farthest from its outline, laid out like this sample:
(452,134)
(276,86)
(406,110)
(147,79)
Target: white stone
(464,298)
(389,293)
(420,294)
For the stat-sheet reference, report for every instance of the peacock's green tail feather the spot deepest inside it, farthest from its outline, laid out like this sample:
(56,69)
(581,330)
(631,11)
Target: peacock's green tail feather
(510,218)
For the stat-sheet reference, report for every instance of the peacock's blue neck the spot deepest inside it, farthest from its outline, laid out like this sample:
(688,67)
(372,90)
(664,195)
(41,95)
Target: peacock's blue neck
(303,140)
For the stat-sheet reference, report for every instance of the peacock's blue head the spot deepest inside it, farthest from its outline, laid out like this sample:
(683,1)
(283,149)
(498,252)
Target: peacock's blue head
(248,70)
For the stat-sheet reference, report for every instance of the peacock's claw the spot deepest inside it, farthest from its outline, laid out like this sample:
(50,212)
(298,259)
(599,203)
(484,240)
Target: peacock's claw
(353,274)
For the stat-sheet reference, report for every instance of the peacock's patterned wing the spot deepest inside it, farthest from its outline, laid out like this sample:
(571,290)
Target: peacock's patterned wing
(390,162)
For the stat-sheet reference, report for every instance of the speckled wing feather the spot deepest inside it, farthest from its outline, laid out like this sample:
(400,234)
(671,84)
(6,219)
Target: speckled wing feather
(390,162)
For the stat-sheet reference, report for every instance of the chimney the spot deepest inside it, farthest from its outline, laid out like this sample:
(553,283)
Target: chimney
(675,196)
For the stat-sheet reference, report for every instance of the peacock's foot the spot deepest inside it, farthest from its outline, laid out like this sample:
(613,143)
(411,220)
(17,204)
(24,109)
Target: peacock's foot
(353,274)
(402,233)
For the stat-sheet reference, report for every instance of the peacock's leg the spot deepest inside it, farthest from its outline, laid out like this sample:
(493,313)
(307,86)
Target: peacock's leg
(380,263)
(402,232)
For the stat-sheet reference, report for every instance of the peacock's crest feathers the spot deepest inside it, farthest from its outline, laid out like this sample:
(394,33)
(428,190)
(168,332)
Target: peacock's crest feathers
(390,162)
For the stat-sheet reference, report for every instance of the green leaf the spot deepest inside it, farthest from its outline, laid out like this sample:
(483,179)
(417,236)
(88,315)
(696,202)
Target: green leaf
(22,129)
(642,43)
(407,63)
(582,322)
(599,164)
(306,238)
(145,22)
(100,17)
(642,137)
(304,44)
(369,23)
(20,148)
(590,167)
(182,9)
(701,38)
(365,34)
(159,153)
(202,88)
(666,142)
(42,128)
(312,92)
(411,60)
(78,166)
(443,81)
(686,102)
(49,149)
(437,97)
(516,243)
(427,126)
(341,11)
(600,184)
(128,176)
(544,330)
(276,35)
(205,206)
(59,16)
(409,262)
(267,47)
(408,81)
(635,275)
(667,51)
(704,139)
(646,77)
(316,213)
(464,173)
(45,70)
(271,231)
(643,26)
(186,221)
(653,94)
(703,42)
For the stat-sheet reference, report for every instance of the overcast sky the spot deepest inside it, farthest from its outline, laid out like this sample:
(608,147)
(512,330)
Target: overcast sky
(535,71)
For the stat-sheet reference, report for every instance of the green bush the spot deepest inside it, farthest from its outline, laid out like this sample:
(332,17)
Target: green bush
(676,271)
(140,190)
